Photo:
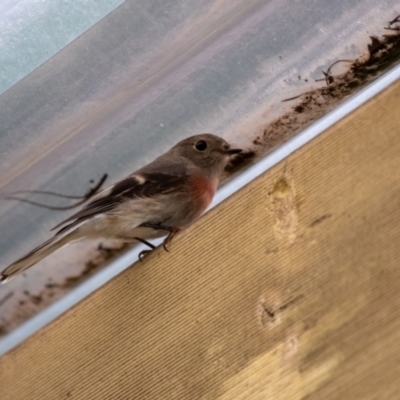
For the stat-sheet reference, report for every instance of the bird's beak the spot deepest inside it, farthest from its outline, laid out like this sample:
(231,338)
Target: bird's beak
(234,151)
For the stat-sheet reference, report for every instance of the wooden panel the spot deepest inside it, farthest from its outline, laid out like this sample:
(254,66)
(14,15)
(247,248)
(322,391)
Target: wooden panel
(288,290)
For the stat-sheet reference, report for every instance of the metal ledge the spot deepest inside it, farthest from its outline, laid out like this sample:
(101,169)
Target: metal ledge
(125,261)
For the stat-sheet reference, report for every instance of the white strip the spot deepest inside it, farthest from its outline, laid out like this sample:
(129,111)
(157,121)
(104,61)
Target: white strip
(126,260)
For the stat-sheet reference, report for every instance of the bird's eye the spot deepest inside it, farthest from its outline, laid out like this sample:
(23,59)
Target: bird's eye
(201,145)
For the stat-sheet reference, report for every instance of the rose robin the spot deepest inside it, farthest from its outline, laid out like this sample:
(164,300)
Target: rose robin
(158,199)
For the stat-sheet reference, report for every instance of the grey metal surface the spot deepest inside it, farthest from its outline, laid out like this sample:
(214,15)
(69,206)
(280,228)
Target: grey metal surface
(145,76)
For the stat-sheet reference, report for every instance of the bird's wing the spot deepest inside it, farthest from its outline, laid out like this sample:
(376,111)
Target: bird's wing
(141,184)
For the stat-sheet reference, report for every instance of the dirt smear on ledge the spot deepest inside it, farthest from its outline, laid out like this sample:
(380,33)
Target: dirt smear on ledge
(27,304)
(382,53)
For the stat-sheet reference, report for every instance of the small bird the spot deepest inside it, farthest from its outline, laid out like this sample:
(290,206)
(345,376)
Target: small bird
(158,199)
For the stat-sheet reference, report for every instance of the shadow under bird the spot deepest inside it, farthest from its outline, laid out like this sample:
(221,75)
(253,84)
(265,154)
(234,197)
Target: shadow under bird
(160,198)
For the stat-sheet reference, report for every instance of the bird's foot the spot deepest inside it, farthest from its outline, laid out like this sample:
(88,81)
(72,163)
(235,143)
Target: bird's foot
(172,232)
(168,239)
(144,253)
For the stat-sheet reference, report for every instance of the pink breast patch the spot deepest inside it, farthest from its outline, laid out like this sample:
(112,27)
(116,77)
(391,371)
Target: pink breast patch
(203,189)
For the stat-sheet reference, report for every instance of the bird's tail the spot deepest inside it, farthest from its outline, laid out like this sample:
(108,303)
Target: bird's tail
(35,256)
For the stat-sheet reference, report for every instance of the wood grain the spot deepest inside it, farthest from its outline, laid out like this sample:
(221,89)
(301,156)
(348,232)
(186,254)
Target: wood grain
(288,290)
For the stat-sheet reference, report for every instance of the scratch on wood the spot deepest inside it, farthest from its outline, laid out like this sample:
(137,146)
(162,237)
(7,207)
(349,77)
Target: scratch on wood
(319,220)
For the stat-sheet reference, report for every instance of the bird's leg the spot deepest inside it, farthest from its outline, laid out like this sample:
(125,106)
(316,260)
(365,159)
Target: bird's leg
(143,252)
(145,242)
(172,232)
